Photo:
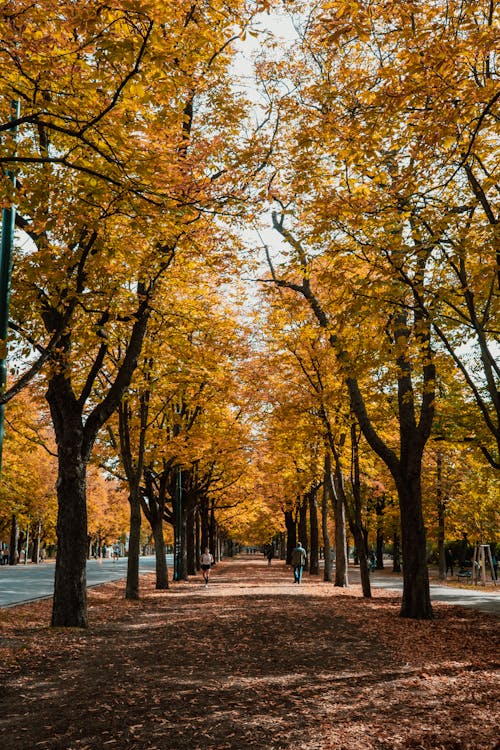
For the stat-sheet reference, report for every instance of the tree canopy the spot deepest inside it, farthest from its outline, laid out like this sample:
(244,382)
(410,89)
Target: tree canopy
(215,377)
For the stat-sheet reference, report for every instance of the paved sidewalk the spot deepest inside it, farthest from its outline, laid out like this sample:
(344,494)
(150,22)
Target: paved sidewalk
(251,662)
(475,598)
(24,583)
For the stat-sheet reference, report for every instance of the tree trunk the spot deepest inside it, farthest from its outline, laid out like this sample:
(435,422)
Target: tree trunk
(441,516)
(339,501)
(160,554)
(212,539)
(133,472)
(302,528)
(341,562)
(197,534)
(396,553)
(416,602)
(70,581)
(35,549)
(205,525)
(358,530)
(14,539)
(313,520)
(414,431)
(134,547)
(379,510)
(291,535)
(282,545)
(327,574)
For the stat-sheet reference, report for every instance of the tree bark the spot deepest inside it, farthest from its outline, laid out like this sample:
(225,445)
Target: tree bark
(212,534)
(413,433)
(70,580)
(313,521)
(35,550)
(339,504)
(14,538)
(416,602)
(379,510)
(133,471)
(160,554)
(441,515)
(396,553)
(204,524)
(134,547)
(197,536)
(75,438)
(302,528)
(291,535)
(327,472)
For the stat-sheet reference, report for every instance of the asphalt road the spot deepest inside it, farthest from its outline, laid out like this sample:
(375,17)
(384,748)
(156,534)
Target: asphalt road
(484,601)
(24,583)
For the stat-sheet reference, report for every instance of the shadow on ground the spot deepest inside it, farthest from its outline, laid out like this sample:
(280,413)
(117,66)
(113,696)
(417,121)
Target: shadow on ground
(253,662)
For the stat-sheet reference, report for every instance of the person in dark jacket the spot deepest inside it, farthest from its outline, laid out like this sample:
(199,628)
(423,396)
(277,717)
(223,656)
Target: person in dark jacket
(298,562)
(449,560)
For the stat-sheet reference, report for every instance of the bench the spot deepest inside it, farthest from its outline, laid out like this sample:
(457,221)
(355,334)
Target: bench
(464,573)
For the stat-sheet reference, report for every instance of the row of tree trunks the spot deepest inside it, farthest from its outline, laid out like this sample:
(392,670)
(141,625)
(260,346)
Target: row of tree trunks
(313,523)
(303,536)
(415,415)
(291,534)
(326,496)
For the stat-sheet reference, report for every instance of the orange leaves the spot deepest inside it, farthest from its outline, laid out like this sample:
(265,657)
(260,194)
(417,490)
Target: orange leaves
(29,468)
(315,668)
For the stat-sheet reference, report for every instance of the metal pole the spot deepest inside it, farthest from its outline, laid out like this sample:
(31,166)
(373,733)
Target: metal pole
(8,224)
(178,523)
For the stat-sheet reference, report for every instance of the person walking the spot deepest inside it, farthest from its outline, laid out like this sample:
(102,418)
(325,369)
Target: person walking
(449,560)
(206,561)
(298,561)
(270,554)
(373,561)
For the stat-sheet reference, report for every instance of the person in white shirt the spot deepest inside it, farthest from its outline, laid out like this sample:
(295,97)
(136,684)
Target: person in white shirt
(206,561)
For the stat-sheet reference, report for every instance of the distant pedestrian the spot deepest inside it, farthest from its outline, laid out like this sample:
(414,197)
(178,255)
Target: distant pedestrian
(299,556)
(449,560)
(270,554)
(206,561)
(373,561)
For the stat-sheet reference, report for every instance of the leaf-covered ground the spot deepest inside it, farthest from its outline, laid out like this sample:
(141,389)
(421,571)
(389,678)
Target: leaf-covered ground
(254,662)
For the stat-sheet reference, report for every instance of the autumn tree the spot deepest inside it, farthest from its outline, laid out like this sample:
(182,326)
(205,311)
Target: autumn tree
(28,495)
(107,511)
(181,431)
(312,384)
(111,175)
(289,437)
(352,209)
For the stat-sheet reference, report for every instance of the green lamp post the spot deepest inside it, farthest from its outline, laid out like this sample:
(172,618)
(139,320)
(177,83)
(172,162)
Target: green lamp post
(177,528)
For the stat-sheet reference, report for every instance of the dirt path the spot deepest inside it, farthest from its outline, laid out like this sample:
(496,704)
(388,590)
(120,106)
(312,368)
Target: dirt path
(254,662)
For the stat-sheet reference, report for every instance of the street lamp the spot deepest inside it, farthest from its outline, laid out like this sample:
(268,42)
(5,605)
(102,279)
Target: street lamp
(177,527)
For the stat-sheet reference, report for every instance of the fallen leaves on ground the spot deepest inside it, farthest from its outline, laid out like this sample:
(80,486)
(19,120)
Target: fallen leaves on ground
(252,662)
